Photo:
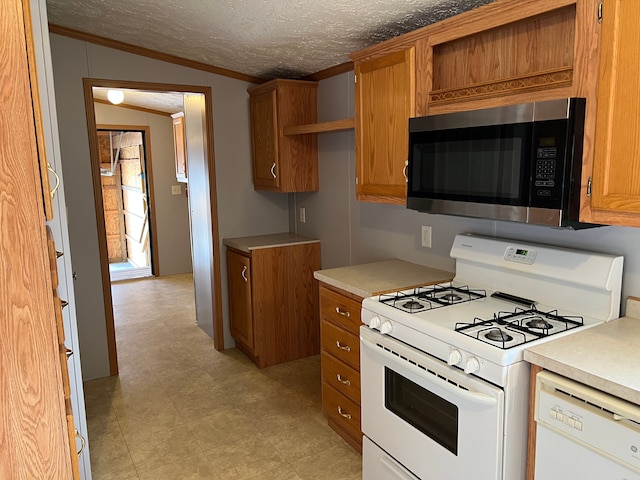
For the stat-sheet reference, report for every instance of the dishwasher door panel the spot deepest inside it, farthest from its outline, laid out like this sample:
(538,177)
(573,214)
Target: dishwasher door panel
(558,457)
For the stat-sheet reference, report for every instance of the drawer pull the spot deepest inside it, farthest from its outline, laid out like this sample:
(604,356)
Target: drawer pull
(344,313)
(346,382)
(346,348)
(50,168)
(63,303)
(243,273)
(345,415)
(83,442)
(273,170)
(68,352)
(59,254)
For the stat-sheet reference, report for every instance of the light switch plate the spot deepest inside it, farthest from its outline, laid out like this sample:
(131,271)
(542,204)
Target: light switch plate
(176,190)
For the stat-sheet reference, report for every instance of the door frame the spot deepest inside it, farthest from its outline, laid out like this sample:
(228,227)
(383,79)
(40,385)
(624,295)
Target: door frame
(151,205)
(88,84)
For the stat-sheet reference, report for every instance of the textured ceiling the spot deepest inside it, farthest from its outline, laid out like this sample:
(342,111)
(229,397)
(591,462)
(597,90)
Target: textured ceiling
(161,102)
(261,38)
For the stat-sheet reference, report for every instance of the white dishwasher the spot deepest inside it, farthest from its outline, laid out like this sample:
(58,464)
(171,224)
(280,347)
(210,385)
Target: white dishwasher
(583,433)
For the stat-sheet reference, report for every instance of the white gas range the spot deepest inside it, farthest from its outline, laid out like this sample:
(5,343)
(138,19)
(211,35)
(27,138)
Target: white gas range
(444,384)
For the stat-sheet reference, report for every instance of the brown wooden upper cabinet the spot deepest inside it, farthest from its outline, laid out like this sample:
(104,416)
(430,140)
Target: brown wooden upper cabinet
(616,173)
(510,52)
(284,163)
(180,147)
(384,96)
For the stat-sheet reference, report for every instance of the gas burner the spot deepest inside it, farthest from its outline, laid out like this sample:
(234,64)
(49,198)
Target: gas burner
(412,305)
(497,335)
(538,323)
(451,297)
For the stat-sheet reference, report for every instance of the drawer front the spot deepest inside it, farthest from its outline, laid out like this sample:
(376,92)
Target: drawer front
(340,310)
(341,377)
(342,410)
(342,344)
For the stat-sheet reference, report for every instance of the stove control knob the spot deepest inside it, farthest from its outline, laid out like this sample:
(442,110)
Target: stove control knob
(386,328)
(472,365)
(375,322)
(455,357)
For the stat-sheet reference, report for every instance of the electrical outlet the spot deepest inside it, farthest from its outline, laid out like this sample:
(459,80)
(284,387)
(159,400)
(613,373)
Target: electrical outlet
(176,190)
(303,215)
(426,236)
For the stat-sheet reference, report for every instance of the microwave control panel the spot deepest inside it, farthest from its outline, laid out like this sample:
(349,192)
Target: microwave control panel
(545,170)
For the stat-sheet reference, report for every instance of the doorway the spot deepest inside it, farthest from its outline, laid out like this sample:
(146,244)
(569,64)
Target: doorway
(125,179)
(202,202)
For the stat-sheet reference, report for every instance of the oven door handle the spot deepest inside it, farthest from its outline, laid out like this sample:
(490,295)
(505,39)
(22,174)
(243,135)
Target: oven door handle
(475,397)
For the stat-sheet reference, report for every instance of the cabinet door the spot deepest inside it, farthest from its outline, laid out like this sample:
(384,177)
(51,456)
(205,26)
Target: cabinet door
(179,146)
(385,90)
(264,140)
(616,175)
(240,310)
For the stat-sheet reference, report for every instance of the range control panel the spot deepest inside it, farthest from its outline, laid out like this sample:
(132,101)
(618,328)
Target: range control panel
(520,255)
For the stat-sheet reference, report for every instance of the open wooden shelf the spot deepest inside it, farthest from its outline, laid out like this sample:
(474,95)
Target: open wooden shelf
(332,126)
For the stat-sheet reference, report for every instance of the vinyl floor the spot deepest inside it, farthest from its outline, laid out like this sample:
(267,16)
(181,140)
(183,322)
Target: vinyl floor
(179,409)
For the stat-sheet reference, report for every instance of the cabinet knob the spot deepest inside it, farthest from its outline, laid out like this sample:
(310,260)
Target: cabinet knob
(273,170)
(243,273)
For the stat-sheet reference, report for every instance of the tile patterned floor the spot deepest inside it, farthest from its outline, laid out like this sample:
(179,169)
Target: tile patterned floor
(182,410)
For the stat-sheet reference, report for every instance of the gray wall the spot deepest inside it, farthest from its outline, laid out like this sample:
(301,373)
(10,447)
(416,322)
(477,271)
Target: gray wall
(351,232)
(357,232)
(241,210)
(172,211)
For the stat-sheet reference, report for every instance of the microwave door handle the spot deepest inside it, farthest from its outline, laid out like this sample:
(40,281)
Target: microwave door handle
(474,397)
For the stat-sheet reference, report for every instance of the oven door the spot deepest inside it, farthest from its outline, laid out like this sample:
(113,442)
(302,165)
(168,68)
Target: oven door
(433,419)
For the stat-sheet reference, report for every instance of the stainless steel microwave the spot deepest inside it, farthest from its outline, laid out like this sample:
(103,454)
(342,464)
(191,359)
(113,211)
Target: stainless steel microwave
(519,163)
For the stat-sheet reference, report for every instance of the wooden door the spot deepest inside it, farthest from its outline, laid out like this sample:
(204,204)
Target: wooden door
(34,433)
(264,140)
(616,175)
(385,90)
(240,311)
(134,201)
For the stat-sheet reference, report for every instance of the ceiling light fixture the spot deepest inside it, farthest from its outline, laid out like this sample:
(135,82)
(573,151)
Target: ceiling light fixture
(115,96)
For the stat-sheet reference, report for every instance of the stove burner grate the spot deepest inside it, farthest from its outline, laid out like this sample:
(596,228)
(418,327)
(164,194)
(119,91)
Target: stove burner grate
(431,296)
(508,329)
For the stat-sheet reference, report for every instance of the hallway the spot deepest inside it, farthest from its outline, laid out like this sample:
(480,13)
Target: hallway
(182,410)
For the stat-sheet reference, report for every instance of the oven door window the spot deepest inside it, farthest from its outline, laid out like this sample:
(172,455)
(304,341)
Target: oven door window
(425,411)
(489,164)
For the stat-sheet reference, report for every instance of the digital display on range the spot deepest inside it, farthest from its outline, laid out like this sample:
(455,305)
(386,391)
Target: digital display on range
(520,251)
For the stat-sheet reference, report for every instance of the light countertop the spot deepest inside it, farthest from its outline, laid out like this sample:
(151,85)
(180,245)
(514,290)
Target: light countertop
(606,357)
(246,244)
(371,279)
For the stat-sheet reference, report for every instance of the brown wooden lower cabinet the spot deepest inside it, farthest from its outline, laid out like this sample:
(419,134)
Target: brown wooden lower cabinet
(340,323)
(273,302)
